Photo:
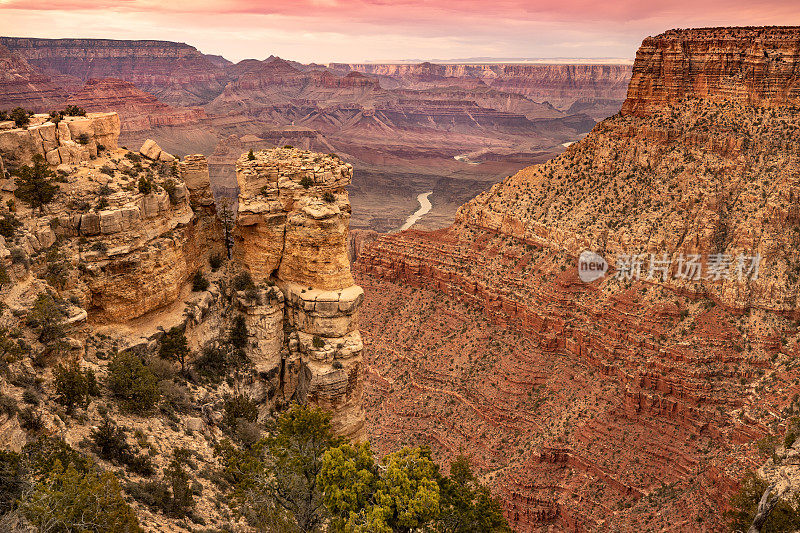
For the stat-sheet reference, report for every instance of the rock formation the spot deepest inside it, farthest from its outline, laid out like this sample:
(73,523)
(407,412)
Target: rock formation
(151,150)
(746,65)
(587,399)
(175,72)
(292,230)
(72,140)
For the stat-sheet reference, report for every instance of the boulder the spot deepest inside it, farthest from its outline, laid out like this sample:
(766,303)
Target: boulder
(150,149)
(53,157)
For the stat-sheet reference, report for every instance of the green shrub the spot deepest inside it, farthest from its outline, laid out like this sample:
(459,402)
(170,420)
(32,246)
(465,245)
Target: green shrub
(74,111)
(134,385)
(215,261)
(788,441)
(306,182)
(44,453)
(145,186)
(30,397)
(47,317)
(71,386)
(216,358)
(174,346)
(12,480)
(20,117)
(199,282)
(329,197)
(133,157)
(82,139)
(110,443)
(57,268)
(19,257)
(8,225)
(239,407)
(171,188)
(251,156)
(67,500)
(243,281)
(30,420)
(171,495)
(5,279)
(318,342)
(36,183)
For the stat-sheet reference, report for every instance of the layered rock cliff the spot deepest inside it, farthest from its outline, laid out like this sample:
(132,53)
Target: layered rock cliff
(560,85)
(136,247)
(582,401)
(138,110)
(756,66)
(175,72)
(292,230)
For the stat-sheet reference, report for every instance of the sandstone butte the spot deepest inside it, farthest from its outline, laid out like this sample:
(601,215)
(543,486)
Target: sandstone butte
(623,404)
(129,256)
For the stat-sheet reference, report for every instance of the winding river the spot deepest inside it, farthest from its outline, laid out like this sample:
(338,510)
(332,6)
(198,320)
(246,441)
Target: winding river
(424,206)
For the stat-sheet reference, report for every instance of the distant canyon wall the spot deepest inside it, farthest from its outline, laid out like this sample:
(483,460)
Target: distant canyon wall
(175,72)
(561,85)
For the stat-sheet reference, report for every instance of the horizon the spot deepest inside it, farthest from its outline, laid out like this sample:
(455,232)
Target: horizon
(369,31)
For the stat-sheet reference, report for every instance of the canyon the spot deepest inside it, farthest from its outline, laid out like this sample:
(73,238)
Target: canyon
(634,402)
(452,129)
(631,402)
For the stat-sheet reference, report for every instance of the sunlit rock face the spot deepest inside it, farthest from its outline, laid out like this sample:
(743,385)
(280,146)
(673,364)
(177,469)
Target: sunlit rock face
(292,230)
(71,141)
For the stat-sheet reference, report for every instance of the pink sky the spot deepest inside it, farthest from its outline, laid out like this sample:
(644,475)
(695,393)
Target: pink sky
(370,30)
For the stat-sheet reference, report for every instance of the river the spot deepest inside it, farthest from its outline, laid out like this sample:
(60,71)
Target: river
(424,206)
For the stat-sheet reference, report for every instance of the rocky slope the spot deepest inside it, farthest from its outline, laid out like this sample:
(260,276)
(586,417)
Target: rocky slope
(176,73)
(627,403)
(116,251)
(24,86)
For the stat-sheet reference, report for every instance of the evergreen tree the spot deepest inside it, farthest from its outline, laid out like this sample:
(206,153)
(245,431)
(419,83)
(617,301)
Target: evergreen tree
(35,184)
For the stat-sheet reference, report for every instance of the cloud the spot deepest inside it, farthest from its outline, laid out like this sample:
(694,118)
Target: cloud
(357,30)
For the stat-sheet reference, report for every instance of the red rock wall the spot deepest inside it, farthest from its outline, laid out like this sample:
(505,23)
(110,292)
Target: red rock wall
(752,65)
